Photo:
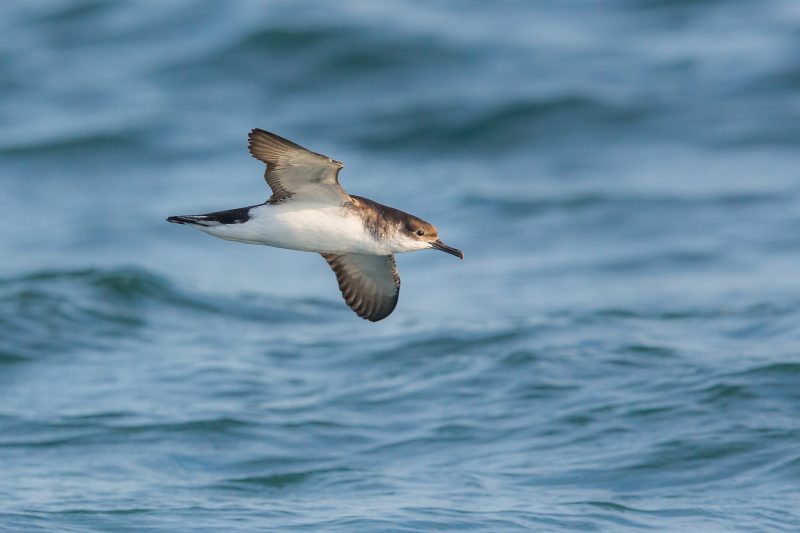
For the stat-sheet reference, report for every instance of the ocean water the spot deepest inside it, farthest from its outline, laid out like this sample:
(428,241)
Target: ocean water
(619,350)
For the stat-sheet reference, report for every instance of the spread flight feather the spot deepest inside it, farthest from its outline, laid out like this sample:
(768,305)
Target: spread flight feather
(295,172)
(370,285)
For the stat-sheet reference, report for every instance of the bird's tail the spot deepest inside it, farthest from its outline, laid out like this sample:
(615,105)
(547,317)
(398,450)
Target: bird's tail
(192,220)
(231,216)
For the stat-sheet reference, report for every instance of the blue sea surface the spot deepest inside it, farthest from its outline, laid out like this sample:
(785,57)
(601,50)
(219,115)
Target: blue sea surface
(619,351)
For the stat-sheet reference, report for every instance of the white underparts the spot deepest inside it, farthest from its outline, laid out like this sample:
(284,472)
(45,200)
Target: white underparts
(311,227)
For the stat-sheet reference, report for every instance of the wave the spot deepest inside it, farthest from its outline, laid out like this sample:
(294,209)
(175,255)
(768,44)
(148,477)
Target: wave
(57,310)
(284,480)
(493,127)
(330,51)
(113,141)
(524,204)
(318,58)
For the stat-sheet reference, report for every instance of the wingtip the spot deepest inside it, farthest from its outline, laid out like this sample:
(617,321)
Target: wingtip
(257,134)
(252,138)
(256,131)
(375,317)
(266,146)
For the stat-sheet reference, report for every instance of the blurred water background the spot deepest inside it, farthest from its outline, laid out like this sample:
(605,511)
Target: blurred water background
(618,351)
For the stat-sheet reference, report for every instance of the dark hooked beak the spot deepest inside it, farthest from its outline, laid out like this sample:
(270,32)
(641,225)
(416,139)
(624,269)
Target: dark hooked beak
(439,245)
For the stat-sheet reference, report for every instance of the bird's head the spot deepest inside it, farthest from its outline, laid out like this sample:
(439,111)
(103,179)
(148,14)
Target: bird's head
(424,235)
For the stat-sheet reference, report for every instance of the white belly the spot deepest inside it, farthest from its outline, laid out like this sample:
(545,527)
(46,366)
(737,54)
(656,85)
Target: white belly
(301,226)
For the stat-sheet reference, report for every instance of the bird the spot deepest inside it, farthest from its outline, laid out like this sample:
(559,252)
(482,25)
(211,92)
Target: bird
(310,211)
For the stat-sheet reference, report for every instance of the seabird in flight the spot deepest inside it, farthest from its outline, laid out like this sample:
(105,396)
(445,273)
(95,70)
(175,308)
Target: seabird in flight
(310,211)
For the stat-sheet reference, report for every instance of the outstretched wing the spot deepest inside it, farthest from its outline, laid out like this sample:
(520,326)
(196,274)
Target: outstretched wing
(370,284)
(294,172)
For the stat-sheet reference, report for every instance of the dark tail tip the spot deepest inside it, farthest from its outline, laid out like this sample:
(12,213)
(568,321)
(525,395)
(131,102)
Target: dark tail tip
(181,220)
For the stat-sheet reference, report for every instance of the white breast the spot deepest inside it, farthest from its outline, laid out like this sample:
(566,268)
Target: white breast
(303,226)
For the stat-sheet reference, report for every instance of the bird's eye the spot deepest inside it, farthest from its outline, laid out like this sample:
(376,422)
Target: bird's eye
(420,232)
